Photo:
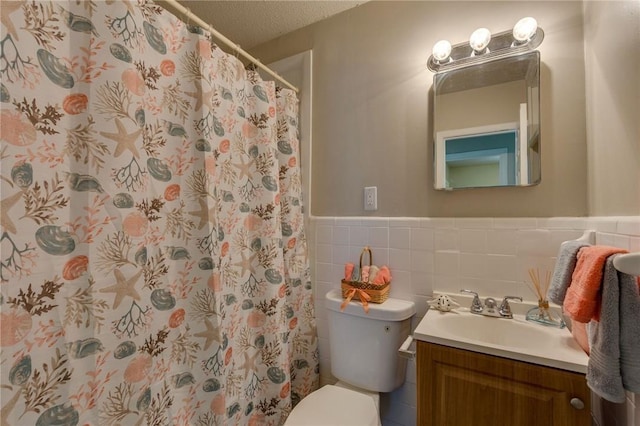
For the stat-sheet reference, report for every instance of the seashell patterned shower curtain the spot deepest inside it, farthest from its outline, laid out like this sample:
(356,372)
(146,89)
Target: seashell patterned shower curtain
(153,258)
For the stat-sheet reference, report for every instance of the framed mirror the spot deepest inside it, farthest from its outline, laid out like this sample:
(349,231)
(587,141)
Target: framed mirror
(487,124)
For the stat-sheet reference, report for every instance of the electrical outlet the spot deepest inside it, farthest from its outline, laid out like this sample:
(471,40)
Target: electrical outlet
(371,198)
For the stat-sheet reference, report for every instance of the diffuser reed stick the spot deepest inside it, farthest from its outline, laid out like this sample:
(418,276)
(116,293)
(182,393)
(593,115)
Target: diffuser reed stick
(542,314)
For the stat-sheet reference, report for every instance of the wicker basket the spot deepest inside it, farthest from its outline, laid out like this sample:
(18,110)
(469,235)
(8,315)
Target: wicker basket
(368,292)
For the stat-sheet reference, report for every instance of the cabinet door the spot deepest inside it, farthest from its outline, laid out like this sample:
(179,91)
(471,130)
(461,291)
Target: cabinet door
(464,388)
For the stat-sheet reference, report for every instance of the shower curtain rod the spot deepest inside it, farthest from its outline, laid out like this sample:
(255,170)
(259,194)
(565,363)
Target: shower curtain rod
(236,47)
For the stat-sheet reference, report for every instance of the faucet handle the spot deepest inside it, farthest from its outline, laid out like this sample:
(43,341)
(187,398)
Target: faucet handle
(505,308)
(476,305)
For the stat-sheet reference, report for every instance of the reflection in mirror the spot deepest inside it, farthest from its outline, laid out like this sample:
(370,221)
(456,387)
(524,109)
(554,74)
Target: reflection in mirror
(487,125)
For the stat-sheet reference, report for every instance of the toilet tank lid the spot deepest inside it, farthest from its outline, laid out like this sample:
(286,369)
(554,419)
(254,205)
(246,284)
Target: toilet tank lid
(390,310)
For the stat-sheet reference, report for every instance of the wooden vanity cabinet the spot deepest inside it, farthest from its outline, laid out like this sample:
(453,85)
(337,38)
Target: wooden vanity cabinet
(464,388)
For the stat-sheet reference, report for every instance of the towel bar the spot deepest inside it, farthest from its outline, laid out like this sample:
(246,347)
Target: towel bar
(589,236)
(628,263)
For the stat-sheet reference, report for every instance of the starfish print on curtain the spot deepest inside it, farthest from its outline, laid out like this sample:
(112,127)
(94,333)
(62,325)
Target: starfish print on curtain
(153,260)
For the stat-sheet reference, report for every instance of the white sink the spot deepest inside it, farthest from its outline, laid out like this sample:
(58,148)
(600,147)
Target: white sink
(510,338)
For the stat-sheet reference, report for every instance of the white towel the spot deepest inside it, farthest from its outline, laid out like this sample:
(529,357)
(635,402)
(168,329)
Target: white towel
(565,264)
(615,340)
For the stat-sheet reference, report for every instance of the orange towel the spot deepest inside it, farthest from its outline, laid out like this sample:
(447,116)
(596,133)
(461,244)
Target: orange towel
(383,276)
(579,333)
(348,271)
(582,302)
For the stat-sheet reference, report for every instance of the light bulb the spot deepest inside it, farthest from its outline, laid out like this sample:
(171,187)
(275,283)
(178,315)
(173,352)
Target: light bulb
(441,50)
(525,29)
(480,39)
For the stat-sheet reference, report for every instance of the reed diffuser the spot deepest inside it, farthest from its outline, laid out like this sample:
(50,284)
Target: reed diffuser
(542,314)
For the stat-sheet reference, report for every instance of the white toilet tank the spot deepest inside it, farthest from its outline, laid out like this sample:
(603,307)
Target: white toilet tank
(364,346)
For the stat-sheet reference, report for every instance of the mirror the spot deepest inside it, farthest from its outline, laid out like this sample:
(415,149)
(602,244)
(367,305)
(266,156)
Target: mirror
(487,124)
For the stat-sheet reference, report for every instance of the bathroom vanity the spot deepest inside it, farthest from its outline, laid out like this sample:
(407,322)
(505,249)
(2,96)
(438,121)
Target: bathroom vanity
(474,370)
(460,387)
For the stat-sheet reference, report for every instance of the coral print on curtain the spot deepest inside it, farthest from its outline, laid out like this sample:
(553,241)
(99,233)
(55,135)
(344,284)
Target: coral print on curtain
(153,258)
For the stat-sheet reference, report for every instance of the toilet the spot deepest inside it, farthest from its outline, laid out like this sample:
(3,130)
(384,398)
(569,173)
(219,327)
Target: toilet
(364,359)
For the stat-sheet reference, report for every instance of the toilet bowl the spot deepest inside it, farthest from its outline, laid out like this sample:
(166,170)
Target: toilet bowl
(364,359)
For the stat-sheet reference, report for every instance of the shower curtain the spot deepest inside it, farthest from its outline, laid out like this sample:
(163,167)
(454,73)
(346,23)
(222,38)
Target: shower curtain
(153,258)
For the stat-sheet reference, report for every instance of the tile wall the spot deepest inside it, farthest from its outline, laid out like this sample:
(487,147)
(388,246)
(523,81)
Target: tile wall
(488,255)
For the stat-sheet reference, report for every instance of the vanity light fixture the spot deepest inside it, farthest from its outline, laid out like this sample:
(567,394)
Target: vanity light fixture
(441,50)
(524,29)
(483,46)
(479,41)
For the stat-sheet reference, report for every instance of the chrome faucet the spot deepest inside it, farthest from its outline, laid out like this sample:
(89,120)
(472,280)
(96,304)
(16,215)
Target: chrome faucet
(490,307)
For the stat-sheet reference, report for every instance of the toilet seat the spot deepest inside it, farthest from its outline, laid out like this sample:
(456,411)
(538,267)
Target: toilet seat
(334,405)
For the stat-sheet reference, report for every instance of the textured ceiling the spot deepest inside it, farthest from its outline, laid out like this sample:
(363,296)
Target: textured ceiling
(252,22)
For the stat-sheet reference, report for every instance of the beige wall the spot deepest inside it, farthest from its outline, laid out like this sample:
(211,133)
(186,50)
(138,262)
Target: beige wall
(371,108)
(612,69)
(612,63)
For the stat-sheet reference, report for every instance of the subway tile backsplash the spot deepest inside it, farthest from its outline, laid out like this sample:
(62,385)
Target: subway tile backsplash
(426,255)
(447,251)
